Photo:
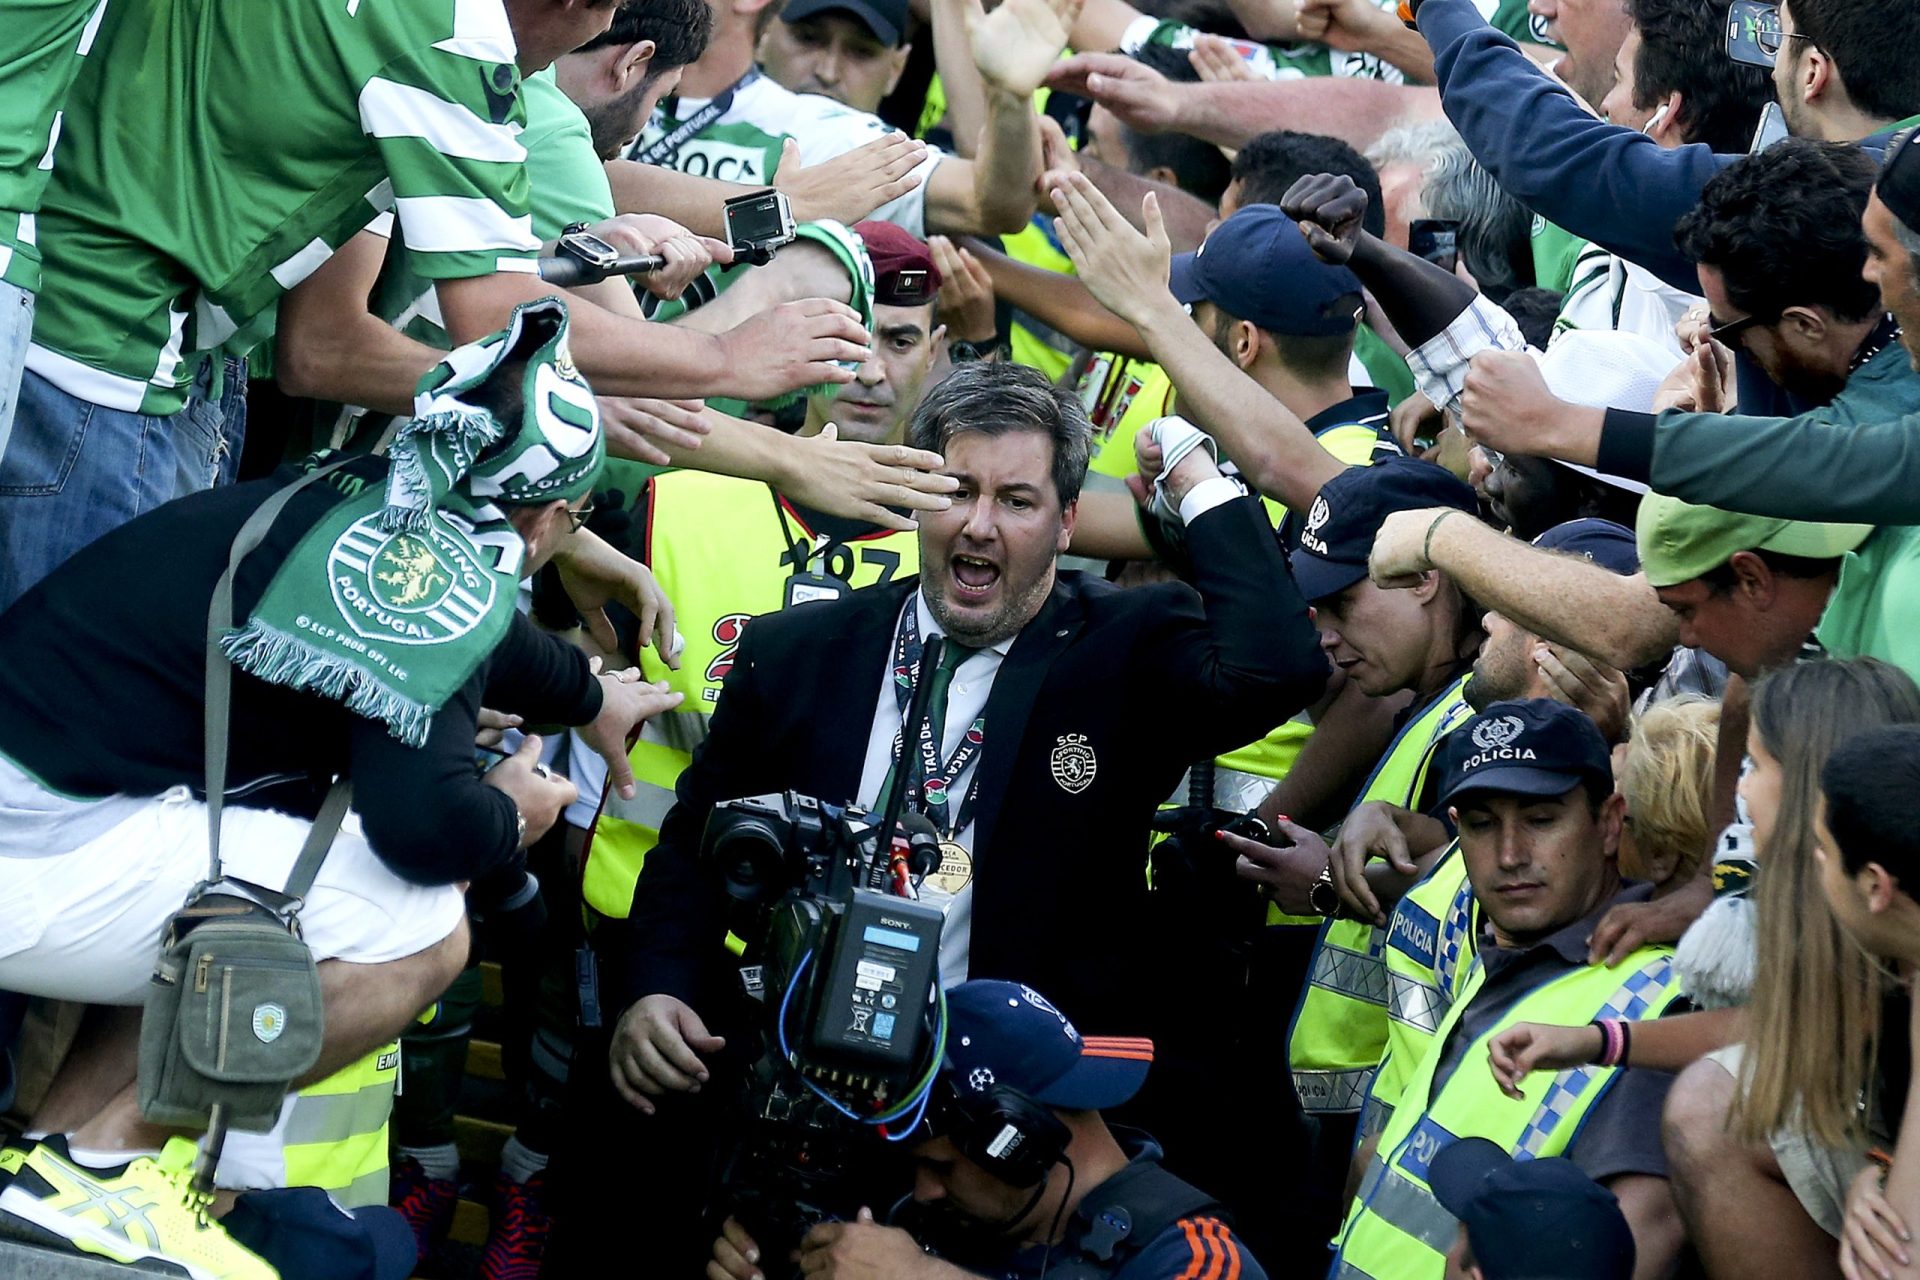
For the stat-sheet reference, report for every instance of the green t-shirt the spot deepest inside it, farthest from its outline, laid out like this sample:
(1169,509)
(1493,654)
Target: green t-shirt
(42,43)
(214,153)
(1875,608)
(1554,252)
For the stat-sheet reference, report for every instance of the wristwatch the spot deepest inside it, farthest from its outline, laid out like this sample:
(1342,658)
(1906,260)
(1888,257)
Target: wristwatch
(1322,897)
(520,828)
(961,351)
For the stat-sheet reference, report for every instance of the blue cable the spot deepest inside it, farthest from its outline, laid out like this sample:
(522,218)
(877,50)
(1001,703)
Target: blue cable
(921,1096)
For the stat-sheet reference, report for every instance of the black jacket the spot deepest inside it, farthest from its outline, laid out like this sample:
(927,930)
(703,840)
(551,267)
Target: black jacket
(1154,678)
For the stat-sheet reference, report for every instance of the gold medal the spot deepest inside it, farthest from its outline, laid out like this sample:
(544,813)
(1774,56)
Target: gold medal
(955,871)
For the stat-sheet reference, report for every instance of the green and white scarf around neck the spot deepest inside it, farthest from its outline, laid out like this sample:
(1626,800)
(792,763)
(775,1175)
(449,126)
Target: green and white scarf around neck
(397,595)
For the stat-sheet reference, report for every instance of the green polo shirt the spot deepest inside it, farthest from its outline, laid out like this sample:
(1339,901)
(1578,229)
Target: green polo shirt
(1875,608)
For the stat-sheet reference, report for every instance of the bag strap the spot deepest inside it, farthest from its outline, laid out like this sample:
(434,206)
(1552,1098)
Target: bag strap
(219,692)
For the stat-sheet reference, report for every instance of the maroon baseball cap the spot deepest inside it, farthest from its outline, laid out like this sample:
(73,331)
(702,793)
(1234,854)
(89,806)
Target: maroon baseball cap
(903,270)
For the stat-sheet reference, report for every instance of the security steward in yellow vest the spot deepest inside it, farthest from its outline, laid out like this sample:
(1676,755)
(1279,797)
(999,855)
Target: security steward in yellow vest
(726,550)
(1430,941)
(1387,642)
(1530,787)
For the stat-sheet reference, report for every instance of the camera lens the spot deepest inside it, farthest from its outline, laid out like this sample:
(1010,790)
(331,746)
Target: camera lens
(750,857)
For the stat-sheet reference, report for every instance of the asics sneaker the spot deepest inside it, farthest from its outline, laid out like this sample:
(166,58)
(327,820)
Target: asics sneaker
(517,1239)
(147,1209)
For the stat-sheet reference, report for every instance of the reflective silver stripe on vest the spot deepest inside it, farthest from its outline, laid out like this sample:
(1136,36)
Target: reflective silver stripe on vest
(1332,1091)
(1416,1003)
(333,1117)
(1405,1206)
(1354,974)
(1239,791)
(678,730)
(1344,1270)
(648,808)
(369,1188)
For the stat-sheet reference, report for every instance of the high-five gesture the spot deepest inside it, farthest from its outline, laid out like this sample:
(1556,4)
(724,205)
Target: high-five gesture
(1329,208)
(1017,44)
(1125,270)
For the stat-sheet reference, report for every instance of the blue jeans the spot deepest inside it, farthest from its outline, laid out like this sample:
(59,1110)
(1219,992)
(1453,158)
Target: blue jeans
(75,470)
(16,326)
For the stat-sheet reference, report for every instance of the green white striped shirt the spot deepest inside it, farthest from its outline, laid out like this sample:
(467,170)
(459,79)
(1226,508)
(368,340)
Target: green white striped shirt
(216,152)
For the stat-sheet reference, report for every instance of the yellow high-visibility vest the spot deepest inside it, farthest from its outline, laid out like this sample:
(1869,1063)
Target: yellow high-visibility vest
(722,549)
(1395,1228)
(1339,1030)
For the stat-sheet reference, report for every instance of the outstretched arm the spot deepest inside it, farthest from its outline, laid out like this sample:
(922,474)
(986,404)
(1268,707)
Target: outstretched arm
(1127,272)
(1566,600)
(1232,114)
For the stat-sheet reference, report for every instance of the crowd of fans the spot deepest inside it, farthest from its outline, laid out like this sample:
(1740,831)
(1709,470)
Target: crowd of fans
(1417,502)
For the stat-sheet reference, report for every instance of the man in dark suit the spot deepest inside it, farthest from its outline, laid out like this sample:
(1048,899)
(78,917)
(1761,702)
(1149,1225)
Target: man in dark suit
(1071,715)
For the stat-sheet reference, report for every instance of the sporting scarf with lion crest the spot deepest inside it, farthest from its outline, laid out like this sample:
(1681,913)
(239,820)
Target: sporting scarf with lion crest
(392,601)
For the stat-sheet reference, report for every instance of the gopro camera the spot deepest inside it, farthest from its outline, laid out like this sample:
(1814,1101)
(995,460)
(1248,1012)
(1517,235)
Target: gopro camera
(1753,33)
(757,224)
(590,249)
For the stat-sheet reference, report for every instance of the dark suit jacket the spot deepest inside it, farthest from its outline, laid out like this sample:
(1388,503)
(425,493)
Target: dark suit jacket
(1154,678)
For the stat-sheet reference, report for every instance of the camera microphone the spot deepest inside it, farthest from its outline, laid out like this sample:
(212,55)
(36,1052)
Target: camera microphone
(923,844)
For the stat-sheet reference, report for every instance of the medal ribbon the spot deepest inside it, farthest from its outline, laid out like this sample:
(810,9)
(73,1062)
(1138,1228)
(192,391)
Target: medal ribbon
(928,793)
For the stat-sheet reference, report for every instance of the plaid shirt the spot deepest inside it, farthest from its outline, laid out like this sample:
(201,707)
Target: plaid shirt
(1440,363)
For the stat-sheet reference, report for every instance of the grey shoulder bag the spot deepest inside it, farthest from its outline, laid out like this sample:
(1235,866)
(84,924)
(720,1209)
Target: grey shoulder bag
(233,1014)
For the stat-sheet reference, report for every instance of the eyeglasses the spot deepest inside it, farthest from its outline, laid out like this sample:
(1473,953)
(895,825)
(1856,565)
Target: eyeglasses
(578,516)
(1725,332)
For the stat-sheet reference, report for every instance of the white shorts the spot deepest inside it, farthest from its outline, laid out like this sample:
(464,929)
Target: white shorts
(85,925)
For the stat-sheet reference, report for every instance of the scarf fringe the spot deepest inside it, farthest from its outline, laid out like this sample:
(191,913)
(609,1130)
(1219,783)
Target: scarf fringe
(463,433)
(278,657)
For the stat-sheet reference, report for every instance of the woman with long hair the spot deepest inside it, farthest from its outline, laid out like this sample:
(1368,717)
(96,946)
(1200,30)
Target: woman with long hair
(1773,1118)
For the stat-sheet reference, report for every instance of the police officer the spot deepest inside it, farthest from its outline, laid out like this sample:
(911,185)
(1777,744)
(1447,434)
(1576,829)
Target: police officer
(1388,643)
(1531,790)
(1017,1174)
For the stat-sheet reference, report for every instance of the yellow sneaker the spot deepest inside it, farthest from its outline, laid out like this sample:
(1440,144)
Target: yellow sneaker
(146,1210)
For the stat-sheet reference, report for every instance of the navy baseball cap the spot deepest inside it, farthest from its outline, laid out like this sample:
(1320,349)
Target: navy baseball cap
(887,19)
(1338,535)
(1256,266)
(306,1236)
(1532,1219)
(1003,1033)
(1528,747)
(1609,545)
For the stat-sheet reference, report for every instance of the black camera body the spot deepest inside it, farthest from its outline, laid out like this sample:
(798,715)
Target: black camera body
(847,974)
(757,224)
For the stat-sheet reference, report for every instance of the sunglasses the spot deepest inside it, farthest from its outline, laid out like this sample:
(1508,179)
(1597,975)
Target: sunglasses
(1728,332)
(579,516)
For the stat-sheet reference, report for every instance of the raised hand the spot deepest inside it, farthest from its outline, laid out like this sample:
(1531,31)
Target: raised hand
(1124,270)
(1143,98)
(850,186)
(795,346)
(862,481)
(638,428)
(966,292)
(1017,44)
(1329,208)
